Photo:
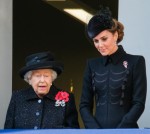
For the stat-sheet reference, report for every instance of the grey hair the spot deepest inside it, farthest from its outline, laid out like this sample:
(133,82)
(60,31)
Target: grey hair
(28,75)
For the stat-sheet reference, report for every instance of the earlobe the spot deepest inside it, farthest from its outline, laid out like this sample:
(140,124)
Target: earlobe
(29,82)
(116,37)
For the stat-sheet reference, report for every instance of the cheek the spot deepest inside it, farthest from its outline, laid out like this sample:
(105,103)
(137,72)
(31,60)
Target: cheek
(95,45)
(109,44)
(48,81)
(33,83)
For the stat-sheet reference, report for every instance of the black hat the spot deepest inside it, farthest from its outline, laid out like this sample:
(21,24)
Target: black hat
(99,22)
(43,60)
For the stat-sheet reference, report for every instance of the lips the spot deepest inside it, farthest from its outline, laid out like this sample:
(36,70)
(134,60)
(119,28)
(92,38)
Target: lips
(42,87)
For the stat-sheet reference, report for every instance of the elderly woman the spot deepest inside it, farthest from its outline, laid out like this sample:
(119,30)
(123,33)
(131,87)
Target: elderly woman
(42,105)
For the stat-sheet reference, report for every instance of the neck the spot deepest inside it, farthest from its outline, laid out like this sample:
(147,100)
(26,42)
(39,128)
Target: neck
(114,49)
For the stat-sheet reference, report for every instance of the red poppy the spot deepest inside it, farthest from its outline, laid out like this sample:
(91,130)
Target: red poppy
(62,96)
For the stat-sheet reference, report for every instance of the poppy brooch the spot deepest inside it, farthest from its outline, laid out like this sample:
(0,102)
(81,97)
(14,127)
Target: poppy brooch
(61,98)
(125,64)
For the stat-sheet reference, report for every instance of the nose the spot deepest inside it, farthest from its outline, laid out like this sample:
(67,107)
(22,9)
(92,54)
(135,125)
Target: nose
(42,78)
(100,43)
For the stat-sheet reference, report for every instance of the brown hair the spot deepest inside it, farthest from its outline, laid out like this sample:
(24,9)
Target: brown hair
(119,27)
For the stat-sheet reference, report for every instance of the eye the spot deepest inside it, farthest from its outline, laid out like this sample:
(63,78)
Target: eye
(46,75)
(37,75)
(104,38)
(95,41)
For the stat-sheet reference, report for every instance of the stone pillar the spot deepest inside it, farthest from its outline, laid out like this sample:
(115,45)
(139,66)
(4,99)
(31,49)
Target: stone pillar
(5,57)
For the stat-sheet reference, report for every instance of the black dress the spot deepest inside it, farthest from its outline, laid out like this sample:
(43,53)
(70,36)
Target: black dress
(118,84)
(27,111)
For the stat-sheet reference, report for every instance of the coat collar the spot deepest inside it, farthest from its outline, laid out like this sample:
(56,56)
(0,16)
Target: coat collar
(51,95)
(115,57)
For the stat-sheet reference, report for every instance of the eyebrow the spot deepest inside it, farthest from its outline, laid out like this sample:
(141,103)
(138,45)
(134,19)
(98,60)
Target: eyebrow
(105,36)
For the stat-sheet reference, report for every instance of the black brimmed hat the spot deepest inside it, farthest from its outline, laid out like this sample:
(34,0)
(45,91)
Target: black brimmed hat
(43,60)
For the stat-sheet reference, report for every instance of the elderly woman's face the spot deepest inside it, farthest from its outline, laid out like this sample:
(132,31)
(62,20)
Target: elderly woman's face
(41,81)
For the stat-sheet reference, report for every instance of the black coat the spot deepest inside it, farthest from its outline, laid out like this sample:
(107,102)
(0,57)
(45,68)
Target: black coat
(27,111)
(118,83)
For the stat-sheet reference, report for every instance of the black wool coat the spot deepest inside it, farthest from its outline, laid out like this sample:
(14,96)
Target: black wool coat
(119,85)
(27,111)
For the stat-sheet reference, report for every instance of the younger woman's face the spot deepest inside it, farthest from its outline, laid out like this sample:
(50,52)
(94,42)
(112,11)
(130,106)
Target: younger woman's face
(105,42)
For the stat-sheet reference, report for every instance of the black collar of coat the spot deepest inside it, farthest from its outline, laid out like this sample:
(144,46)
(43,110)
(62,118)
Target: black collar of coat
(30,95)
(115,57)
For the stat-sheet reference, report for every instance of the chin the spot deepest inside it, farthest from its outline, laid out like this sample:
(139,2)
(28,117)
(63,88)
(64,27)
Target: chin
(104,54)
